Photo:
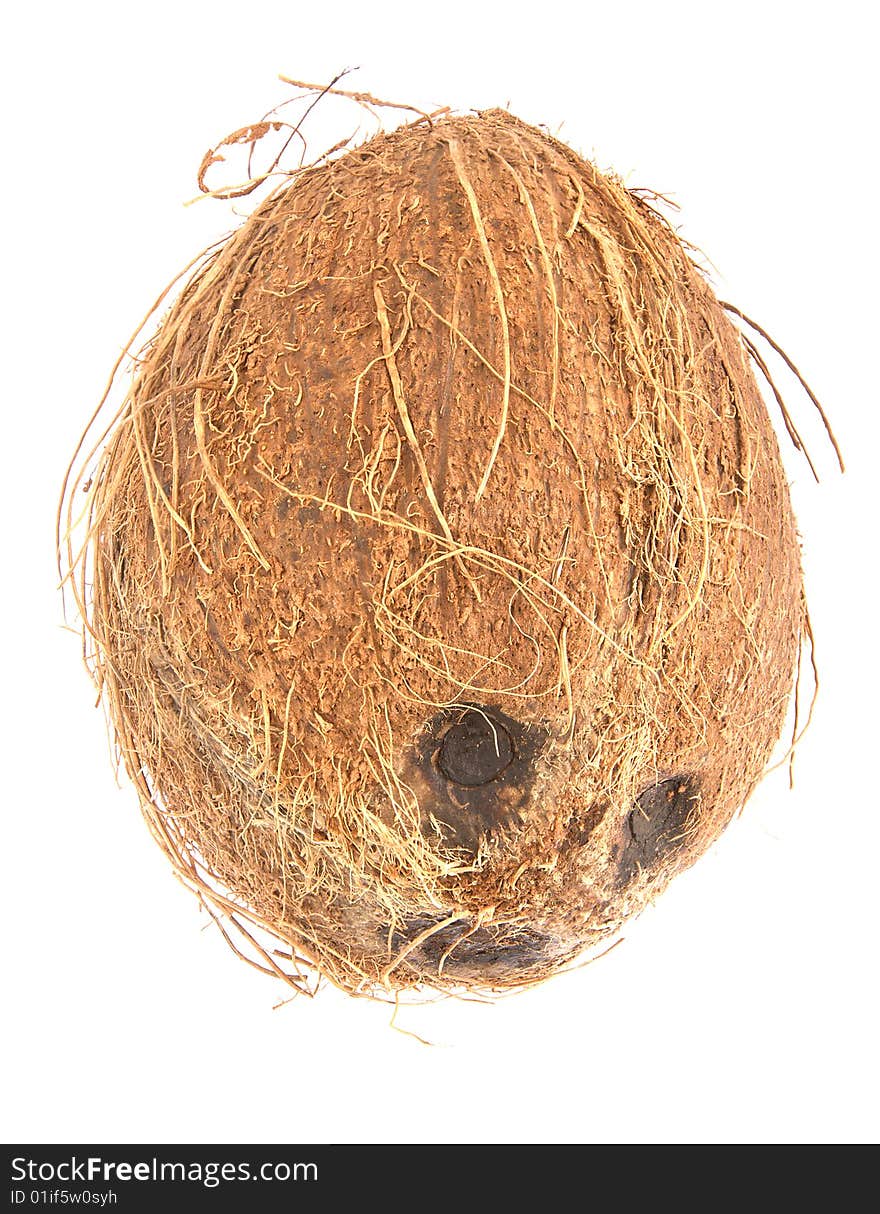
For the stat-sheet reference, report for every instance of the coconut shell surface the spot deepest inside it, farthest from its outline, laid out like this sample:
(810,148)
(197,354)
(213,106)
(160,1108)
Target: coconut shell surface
(447,593)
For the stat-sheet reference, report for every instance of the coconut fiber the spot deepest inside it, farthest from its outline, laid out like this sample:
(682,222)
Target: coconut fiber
(441,580)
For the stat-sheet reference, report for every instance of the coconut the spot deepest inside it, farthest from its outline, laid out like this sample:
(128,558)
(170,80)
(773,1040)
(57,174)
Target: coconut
(441,578)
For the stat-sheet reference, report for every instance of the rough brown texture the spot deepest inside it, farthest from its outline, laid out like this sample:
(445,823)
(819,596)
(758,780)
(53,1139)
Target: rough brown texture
(448,446)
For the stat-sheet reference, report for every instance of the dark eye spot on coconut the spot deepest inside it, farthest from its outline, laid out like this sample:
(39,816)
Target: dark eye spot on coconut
(475,767)
(657,824)
(488,953)
(475,750)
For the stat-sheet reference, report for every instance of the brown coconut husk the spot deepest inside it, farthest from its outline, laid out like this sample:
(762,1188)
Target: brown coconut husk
(440,576)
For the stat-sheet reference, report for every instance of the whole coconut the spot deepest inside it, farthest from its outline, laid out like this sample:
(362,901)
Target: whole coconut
(446,592)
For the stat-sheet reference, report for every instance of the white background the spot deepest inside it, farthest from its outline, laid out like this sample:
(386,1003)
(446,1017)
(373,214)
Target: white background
(743,1007)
